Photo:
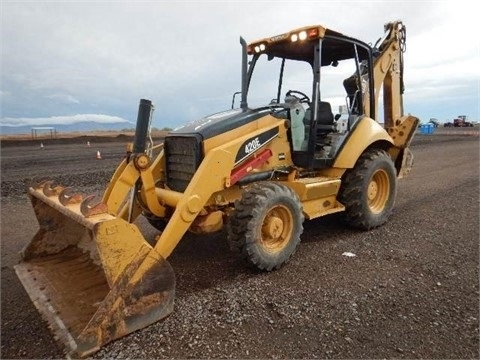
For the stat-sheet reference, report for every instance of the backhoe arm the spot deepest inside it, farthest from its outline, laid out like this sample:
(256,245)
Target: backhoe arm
(388,72)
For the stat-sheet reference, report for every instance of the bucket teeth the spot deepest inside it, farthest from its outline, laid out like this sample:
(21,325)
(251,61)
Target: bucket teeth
(36,184)
(68,196)
(48,190)
(89,207)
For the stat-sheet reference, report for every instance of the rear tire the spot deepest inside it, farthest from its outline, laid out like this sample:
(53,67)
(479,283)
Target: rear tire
(266,225)
(368,190)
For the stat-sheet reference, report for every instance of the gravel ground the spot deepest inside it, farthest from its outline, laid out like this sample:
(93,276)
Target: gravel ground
(410,291)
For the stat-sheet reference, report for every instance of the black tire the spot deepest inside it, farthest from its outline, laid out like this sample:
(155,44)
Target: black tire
(156,222)
(266,225)
(368,190)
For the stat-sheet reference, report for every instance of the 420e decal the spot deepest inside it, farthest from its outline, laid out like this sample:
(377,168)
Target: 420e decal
(255,143)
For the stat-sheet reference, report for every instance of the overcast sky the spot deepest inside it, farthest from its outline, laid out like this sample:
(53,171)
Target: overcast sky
(63,61)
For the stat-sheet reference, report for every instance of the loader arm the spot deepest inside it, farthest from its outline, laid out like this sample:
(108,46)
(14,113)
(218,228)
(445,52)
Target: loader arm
(209,178)
(213,175)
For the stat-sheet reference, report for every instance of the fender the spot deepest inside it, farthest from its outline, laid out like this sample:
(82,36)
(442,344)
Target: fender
(367,132)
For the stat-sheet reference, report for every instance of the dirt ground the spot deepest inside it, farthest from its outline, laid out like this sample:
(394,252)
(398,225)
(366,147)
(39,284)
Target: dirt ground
(411,291)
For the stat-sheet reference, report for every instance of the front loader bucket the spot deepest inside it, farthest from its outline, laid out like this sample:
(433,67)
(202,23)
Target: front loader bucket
(92,276)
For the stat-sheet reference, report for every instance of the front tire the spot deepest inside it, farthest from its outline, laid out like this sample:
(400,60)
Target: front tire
(266,225)
(368,190)
(158,223)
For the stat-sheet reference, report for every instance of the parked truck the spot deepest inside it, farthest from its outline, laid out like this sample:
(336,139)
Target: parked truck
(461,121)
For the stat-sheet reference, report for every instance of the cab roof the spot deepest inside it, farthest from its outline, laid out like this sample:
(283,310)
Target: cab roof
(298,44)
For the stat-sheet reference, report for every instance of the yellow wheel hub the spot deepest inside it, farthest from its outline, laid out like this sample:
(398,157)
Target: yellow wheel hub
(378,191)
(277,228)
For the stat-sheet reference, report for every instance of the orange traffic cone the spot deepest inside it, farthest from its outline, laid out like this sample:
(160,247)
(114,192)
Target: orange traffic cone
(98,155)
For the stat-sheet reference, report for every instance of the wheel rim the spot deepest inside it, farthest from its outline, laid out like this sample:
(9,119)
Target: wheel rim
(378,191)
(277,228)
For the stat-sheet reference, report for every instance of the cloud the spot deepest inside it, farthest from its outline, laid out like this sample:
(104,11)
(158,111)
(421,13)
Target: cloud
(65,98)
(102,57)
(62,120)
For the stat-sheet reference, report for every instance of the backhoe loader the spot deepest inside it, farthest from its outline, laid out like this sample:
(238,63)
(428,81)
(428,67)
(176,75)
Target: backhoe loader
(259,169)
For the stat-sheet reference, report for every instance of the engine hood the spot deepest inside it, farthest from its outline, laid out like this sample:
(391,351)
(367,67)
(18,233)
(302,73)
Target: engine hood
(219,123)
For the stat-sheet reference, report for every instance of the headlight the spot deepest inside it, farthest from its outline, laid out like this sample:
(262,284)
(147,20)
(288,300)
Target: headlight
(259,48)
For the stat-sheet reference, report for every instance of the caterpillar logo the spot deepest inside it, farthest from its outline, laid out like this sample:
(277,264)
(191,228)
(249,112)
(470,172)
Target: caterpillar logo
(255,143)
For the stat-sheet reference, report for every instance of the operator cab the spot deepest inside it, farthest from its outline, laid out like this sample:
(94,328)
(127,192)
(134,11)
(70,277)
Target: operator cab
(319,80)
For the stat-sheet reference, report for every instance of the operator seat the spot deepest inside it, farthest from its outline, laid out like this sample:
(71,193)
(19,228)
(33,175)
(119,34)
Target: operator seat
(325,125)
(353,94)
(325,118)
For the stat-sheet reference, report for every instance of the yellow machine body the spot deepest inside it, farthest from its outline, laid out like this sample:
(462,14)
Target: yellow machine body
(95,278)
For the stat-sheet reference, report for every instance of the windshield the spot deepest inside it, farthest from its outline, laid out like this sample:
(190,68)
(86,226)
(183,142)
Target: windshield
(264,84)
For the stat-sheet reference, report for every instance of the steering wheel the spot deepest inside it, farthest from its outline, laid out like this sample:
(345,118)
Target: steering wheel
(302,98)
